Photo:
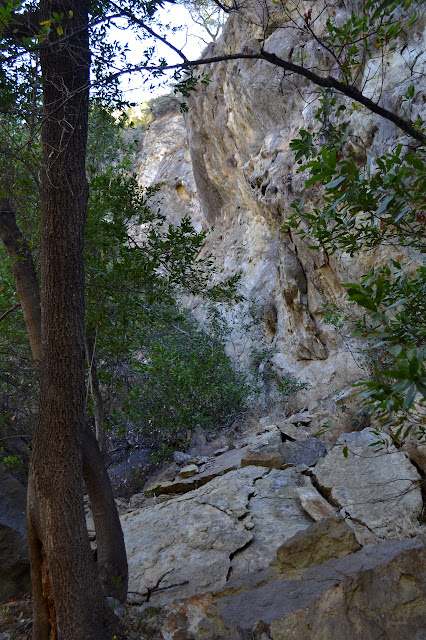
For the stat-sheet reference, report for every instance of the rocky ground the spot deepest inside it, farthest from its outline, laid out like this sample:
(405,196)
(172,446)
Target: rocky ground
(271,533)
(275,526)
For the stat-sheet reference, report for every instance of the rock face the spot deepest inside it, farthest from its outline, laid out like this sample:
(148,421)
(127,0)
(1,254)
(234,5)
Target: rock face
(361,595)
(14,558)
(368,485)
(375,592)
(197,540)
(263,541)
(229,165)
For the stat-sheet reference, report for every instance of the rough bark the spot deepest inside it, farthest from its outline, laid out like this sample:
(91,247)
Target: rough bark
(24,274)
(111,552)
(69,602)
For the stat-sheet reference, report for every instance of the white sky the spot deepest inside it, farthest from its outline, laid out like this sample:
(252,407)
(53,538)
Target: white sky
(185,39)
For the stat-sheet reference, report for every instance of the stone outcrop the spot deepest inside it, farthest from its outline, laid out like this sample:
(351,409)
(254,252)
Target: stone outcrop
(14,558)
(234,527)
(233,524)
(380,489)
(262,540)
(378,591)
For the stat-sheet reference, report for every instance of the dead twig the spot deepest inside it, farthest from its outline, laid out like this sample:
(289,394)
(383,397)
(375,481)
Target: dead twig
(156,587)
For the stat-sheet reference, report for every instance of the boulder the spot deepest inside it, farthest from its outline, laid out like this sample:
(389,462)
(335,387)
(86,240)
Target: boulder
(329,538)
(307,452)
(14,558)
(228,527)
(180,458)
(272,460)
(377,592)
(380,489)
(191,539)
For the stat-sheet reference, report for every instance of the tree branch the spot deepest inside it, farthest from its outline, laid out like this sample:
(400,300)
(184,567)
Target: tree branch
(6,313)
(327,82)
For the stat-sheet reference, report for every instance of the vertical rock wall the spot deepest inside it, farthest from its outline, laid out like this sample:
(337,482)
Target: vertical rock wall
(230,166)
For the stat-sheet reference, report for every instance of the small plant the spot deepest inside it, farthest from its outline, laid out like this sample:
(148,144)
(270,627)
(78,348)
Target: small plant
(334,315)
(13,462)
(138,479)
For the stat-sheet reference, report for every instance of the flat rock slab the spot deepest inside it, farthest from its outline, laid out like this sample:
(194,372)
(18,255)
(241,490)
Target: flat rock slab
(218,466)
(277,515)
(190,538)
(380,489)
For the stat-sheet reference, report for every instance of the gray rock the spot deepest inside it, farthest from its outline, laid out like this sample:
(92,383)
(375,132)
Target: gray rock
(380,489)
(313,502)
(14,558)
(307,452)
(277,515)
(137,500)
(188,471)
(181,458)
(189,539)
(378,590)
(198,443)
(215,467)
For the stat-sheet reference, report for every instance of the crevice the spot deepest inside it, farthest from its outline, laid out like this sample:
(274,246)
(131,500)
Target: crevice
(422,517)
(240,550)
(318,336)
(325,493)
(286,438)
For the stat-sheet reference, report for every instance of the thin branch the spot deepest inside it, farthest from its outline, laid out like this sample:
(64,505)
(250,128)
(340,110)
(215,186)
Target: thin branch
(6,313)
(327,82)
(132,18)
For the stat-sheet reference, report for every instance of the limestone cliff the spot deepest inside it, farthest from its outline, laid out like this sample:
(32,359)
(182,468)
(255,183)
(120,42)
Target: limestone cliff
(228,164)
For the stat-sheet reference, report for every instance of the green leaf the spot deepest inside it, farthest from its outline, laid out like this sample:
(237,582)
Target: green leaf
(384,204)
(335,182)
(396,349)
(363,301)
(411,394)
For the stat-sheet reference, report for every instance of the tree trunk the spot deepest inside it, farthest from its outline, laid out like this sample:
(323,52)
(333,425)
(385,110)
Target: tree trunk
(24,274)
(111,552)
(69,602)
(98,406)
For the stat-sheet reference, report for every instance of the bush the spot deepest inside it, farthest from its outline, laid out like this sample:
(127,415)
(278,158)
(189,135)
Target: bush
(164,105)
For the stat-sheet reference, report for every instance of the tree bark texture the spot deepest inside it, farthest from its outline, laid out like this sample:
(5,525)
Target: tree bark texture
(68,599)
(24,274)
(111,552)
